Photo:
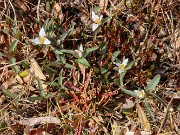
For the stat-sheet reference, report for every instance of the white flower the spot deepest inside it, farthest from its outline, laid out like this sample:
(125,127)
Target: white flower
(80,51)
(97,20)
(140,93)
(41,39)
(122,65)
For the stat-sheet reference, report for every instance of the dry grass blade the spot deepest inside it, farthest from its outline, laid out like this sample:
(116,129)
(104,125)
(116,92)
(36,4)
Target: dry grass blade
(143,119)
(103,5)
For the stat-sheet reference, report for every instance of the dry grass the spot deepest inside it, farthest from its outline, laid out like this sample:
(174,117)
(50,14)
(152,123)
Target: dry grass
(50,89)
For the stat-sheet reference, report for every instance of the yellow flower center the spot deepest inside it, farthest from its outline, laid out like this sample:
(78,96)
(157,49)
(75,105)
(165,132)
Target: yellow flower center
(41,39)
(142,94)
(97,21)
(122,67)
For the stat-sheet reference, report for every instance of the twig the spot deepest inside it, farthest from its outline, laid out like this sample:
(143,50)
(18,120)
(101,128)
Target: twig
(15,18)
(39,1)
(12,64)
(166,113)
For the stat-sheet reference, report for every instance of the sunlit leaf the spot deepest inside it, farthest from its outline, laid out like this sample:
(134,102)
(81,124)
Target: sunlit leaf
(60,78)
(35,98)
(129,92)
(55,64)
(107,19)
(129,65)
(6,31)
(56,51)
(55,84)
(13,46)
(67,65)
(104,70)
(149,109)
(23,73)
(89,50)
(114,56)
(62,59)
(65,34)
(9,94)
(48,6)
(50,71)
(152,84)
(117,81)
(83,61)
(41,90)
(25,65)
(106,78)
(67,51)
(15,67)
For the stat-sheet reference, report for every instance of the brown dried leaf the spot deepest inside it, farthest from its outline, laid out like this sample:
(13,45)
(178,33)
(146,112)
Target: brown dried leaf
(19,80)
(143,119)
(2,99)
(8,84)
(36,69)
(57,11)
(28,79)
(57,7)
(145,133)
(39,120)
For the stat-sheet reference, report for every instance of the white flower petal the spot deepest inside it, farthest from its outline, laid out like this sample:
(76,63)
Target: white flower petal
(36,40)
(46,41)
(137,92)
(94,26)
(94,16)
(117,64)
(125,62)
(81,48)
(101,17)
(42,32)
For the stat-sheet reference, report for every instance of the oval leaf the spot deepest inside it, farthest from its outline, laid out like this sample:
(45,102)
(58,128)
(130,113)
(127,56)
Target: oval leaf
(67,65)
(89,50)
(129,92)
(129,65)
(149,109)
(13,46)
(83,61)
(15,67)
(104,70)
(23,73)
(114,56)
(41,90)
(60,78)
(152,84)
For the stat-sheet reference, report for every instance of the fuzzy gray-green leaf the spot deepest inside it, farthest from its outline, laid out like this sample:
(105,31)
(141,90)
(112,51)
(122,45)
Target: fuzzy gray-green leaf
(13,46)
(152,84)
